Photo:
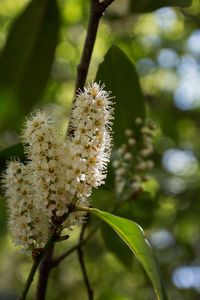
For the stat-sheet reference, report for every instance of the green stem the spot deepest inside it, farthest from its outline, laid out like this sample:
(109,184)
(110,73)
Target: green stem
(83,208)
(37,261)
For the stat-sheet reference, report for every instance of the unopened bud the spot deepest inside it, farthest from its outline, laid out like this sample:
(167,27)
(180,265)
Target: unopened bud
(132,142)
(145,178)
(138,121)
(135,186)
(116,164)
(150,164)
(122,149)
(121,172)
(129,132)
(145,152)
(141,166)
(127,156)
(136,178)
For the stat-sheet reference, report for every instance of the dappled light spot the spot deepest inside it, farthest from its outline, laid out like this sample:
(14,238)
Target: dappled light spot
(193,42)
(162,239)
(174,185)
(180,162)
(165,18)
(187,95)
(145,66)
(188,66)
(167,58)
(187,277)
(151,41)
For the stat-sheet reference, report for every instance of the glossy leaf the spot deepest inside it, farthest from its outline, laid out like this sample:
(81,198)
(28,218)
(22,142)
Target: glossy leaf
(140,210)
(116,246)
(142,6)
(118,73)
(132,234)
(27,57)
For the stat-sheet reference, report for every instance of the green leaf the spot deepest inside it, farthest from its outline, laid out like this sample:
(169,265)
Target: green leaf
(142,6)
(141,210)
(116,246)
(132,234)
(118,73)
(27,57)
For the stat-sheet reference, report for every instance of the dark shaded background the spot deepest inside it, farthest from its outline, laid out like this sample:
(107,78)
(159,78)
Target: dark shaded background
(165,46)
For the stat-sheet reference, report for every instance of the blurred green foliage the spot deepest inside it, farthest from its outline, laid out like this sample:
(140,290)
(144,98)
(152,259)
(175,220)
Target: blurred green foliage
(150,5)
(26,59)
(164,47)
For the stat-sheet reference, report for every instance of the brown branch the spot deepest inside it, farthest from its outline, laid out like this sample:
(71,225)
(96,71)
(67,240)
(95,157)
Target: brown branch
(44,270)
(97,9)
(83,267)
(105,4)
(37,261)
(82,68)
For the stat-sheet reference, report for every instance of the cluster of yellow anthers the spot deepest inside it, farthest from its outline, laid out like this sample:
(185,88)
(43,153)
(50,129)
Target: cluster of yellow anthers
(132,161)
(59,172)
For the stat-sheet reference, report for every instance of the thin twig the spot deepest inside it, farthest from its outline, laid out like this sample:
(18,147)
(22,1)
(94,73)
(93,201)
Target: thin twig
(57,260)
(62,238)
(83,267)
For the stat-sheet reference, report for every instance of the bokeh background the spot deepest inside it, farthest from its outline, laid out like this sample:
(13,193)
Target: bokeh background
(165,46)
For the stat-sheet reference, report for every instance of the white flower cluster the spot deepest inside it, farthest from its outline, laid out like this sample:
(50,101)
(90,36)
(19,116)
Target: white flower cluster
(132,159)
(59,172)
(28,226)
(89,148)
